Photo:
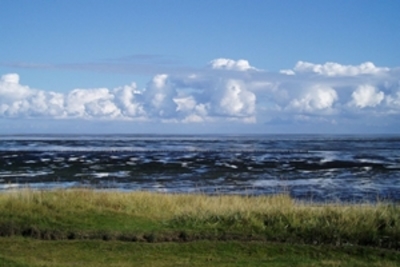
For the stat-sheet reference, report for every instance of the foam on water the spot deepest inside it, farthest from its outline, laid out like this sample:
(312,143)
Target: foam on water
(325,167)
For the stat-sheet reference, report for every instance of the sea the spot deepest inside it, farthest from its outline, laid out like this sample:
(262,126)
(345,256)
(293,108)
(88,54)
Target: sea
(354,168)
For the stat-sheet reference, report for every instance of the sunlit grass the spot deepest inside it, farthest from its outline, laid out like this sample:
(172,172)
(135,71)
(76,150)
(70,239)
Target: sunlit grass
(197,216)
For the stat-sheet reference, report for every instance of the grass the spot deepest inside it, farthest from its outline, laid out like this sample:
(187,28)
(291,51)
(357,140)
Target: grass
(274,229)
(22,252)
(85,213)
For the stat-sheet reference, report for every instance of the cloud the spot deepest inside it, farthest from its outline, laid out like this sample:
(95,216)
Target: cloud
(212,99)
(159,96)
(17,100)
(129,101)
(339,95)
(287,72)
(231,98)
(335,69)
(394,101)
(229,64)
(11,78)
(316,99)
(11,89)
(88,103)
(367,96)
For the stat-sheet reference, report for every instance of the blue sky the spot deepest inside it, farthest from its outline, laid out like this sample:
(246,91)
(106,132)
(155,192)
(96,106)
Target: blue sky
(169,66)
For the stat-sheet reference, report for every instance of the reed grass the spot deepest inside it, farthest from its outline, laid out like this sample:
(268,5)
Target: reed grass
(147,216)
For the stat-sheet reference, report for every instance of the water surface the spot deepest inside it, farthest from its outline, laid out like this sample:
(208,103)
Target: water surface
(311,167)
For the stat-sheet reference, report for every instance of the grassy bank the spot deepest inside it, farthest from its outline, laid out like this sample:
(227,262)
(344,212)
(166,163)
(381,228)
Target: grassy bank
(92,228)
(152,217)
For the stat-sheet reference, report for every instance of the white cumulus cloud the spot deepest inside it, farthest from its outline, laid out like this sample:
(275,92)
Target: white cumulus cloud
(231,98)
(10,89)
(129,100)
(19,100)
(89,103)
(316,99)
(336,69)
(338,94)
(367,96)
(230,64)
(11,78)
(159,96)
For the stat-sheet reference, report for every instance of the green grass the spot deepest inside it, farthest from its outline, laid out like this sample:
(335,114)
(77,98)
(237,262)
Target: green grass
(125,229)
(18,251)
(71,214)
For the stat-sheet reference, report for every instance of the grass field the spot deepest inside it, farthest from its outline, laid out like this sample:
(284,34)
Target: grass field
(44,228)
(17,251)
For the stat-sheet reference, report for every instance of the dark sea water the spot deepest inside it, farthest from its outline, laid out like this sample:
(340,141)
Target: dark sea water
(310,167)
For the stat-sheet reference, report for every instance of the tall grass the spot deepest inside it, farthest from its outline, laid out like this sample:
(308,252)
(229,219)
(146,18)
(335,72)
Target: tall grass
(277,218)
(148,204)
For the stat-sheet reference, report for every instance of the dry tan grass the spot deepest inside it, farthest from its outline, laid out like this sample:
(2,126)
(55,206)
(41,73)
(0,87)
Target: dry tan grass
(277,217)
(145,203)
(160,205)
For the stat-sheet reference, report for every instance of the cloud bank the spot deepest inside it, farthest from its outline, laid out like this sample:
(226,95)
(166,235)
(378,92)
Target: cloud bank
(225,90)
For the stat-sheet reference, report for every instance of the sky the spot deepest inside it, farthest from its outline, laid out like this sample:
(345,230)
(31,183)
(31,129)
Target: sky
(188,67)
